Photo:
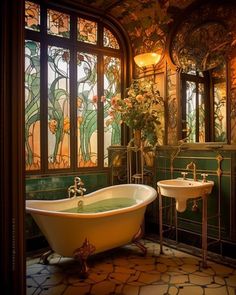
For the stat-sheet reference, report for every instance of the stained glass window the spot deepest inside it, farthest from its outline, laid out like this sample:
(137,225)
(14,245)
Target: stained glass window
(87,100)
(58,23)
(112,88)
(109,40)
(87,31)
(58,108)
(32,16)
(69,82)
(32,105)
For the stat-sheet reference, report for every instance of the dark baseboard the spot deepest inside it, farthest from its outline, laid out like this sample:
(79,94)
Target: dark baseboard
(223,247)
(36,244)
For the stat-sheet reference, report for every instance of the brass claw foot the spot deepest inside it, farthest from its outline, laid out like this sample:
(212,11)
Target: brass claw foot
(136,241)
(81,254)
(44,257)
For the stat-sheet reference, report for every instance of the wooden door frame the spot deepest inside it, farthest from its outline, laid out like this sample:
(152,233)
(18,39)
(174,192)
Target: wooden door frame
(12,209)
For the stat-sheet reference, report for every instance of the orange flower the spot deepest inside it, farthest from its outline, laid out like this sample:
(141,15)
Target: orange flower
(139,98)
(114,100)
(66,125)
(128,102)
(95,99)
(52,126)
(79,102)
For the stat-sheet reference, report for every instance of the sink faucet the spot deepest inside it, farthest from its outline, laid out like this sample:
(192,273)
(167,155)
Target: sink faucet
(76,189)
(192,165)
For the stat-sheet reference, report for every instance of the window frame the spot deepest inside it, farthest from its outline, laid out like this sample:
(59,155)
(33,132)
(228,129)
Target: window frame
(75,46)
(208,103)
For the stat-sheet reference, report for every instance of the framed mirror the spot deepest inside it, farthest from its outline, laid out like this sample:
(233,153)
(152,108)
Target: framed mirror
(204,105)
(200,48)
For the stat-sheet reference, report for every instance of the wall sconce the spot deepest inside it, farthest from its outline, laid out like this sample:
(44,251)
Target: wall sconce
(144,60)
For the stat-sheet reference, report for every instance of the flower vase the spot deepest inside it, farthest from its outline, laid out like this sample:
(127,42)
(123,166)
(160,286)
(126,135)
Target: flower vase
(137,137)
(149,159)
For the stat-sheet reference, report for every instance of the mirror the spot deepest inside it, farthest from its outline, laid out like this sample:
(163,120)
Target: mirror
(203,99)
(200,48)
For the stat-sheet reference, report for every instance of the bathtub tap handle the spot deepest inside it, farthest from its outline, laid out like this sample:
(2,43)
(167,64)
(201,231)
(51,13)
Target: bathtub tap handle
(78,181)
(71,191)
(81,191)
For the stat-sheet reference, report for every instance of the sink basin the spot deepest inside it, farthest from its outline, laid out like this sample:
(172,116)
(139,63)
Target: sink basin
(184,189)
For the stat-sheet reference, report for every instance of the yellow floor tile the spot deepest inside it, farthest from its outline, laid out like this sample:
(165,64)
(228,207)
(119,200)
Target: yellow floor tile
(125,271)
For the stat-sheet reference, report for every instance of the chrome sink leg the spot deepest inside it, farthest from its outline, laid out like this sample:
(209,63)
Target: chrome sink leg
(204,231)
(160,221)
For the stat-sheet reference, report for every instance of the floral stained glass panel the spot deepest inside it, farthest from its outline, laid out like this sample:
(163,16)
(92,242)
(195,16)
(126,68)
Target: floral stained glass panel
(172,108)
(58,108)
(58,23)
(191,110)
(87,110)
(220,111)
(87,31)
(32,16)
(112,88)
(109,40)
(202,112)
(32,105)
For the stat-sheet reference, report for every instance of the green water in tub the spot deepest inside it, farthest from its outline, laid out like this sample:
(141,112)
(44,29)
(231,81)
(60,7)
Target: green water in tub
(102,206)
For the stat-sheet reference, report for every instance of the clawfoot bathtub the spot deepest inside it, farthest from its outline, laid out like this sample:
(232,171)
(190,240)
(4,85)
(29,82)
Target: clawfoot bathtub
(79,235)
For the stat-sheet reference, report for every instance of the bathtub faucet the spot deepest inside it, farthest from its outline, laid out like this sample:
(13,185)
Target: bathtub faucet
(76,189)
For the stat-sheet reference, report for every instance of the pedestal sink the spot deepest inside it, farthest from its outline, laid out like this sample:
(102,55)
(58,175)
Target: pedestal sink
(184,189)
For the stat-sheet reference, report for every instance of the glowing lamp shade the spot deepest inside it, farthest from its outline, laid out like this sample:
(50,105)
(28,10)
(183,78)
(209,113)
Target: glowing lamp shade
(147,59)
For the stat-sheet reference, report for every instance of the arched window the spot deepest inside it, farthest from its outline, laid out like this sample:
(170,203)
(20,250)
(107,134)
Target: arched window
(74,65)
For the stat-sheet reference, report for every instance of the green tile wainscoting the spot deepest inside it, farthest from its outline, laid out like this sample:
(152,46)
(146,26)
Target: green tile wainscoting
(54,187)
(120,167)
(220,166)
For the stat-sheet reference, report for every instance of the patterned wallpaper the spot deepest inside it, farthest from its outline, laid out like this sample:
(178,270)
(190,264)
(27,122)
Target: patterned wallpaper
(232,67)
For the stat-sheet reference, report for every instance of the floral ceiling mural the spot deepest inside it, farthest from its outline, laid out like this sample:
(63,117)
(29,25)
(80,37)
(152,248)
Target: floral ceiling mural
(147,21)
(202,43)
(146,24)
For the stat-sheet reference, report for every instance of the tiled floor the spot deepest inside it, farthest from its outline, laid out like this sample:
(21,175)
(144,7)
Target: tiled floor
(125,271)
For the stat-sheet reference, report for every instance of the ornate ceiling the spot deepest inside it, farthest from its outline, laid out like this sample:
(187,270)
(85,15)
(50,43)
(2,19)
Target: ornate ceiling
(147,22)
(205,38)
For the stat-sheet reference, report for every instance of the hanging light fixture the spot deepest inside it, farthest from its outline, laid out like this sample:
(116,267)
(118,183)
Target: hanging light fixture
(144,60)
